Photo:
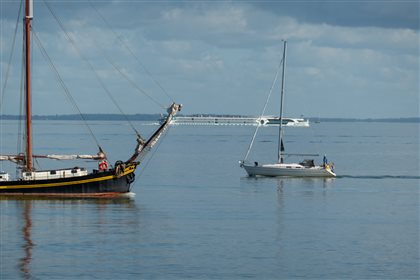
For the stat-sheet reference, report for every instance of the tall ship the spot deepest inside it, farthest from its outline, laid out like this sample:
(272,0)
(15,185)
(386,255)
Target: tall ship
(109,179)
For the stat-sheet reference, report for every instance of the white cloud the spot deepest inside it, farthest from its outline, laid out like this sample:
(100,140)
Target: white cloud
(230,51)
(224,19)
(176,46)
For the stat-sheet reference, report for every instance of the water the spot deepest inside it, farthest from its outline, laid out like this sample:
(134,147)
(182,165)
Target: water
(196,215)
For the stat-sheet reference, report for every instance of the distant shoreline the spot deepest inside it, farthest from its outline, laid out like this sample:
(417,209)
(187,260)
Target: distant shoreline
(157,117)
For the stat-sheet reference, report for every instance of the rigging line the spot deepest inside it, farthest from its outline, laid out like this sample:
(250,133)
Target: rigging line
(20,134)
(7,72)
(100,81)
(122,113)
(120,38)
(63,85)
(134,83)
(90,65)
(263,111)
(114,101)
(149,159)
(10,57)
(37,163)
(92,69)
(20,141)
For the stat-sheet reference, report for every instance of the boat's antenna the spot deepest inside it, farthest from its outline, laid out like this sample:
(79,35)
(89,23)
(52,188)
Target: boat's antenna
(281,146)
(28,101)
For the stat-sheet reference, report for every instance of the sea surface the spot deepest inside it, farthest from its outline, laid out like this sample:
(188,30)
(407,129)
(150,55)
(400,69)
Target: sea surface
(194,214)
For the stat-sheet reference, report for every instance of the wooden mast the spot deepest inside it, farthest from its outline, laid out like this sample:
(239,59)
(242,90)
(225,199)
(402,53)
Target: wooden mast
(28,101)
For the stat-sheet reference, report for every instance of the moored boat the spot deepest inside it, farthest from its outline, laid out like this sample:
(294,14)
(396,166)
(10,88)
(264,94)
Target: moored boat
(107,180)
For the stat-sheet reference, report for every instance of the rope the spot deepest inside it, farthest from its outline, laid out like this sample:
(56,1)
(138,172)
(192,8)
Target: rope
(10,58)
(134,84)
(63,85)
(7,76)
(91,66)
(263,111)
(122,113)
(119,37)
(149,159)
(20,140)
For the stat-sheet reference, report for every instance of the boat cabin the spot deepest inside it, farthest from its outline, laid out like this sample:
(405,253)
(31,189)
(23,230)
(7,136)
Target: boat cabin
(54,174)
(307,163)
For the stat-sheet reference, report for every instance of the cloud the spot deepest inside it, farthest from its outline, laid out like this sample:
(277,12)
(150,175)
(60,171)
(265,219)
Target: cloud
(382,14)
(221,57)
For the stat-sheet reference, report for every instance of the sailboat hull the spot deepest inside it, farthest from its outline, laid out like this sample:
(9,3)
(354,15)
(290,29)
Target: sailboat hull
(286,170)
(92,185)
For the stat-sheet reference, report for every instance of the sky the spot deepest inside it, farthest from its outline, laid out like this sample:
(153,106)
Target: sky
(348,59)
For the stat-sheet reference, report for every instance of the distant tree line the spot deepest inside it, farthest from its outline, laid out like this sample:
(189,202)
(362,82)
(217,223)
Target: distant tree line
(90,117)
(157,117)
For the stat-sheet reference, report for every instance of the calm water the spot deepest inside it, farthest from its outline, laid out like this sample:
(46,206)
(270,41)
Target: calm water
(196,215)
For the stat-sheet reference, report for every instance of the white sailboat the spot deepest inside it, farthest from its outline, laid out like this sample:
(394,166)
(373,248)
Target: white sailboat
(306,168)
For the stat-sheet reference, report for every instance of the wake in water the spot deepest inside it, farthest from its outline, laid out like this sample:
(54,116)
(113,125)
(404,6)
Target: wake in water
(379,177)
(128,195)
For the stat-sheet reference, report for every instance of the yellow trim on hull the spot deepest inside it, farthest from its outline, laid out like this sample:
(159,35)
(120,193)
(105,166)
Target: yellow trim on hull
(127,170)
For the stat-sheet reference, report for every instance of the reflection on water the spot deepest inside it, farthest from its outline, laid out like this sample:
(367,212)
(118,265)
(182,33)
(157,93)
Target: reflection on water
(49,220)
(203,219)
(287,186)
(25,262)
(283,182)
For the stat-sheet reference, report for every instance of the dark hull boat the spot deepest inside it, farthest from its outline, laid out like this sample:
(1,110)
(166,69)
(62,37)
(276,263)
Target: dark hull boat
(76,182)
(99,184)
(105,181)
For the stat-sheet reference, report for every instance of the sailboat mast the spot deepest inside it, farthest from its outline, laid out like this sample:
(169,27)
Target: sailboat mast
(28,101)
(281,147)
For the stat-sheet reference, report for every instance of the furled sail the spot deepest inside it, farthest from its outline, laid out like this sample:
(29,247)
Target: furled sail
(73,157)
(17,158)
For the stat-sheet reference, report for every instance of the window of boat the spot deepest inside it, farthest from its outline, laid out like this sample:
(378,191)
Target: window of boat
(28,173)
(74,171)
(53,172)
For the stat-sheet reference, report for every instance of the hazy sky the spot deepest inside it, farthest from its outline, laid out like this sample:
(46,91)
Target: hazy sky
(345,58)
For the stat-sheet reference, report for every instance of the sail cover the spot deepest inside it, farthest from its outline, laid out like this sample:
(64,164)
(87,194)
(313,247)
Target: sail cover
(16,158)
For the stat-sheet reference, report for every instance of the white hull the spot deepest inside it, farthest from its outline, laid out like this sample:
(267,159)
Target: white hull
(254,121)
(287,122)
(288,170)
